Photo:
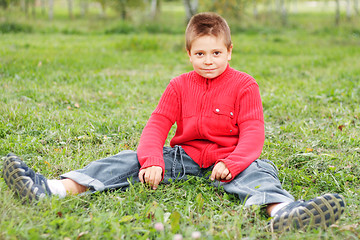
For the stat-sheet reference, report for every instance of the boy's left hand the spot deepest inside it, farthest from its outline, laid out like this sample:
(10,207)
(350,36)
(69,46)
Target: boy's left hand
(220,172)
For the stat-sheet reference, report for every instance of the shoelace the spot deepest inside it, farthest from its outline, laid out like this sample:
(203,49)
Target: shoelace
(39,180)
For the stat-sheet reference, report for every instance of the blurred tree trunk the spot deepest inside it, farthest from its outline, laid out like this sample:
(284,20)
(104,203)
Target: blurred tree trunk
(255,10)
(33,8)
(43,8)
(269,6)
(70,8)
(25,4)
(337,12)
(191,8)
(283,12)
(356,7)
(51,9)
(348,9)
(295,6)
(123,9)
(84,7)
(155,9)
(103,7)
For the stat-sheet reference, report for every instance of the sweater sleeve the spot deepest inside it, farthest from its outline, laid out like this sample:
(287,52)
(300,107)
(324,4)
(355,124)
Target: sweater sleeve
(251,132)
(153,137)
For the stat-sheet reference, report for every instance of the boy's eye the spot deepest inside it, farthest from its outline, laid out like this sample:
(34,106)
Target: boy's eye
(199,54)
(217,53)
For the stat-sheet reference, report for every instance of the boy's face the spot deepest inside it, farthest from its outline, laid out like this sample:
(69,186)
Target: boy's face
(209,56)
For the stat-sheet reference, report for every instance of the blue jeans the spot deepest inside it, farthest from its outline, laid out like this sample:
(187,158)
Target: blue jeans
(257,185)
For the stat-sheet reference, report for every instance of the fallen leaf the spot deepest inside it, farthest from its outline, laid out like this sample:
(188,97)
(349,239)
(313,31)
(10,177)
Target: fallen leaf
(127,218)
(81,234)
(341,127)
(46,162)
(199,201)
(351,227)
(175,221)
(309,150)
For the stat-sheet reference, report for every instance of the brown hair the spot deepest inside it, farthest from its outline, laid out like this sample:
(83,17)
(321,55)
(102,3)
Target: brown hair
(207,23)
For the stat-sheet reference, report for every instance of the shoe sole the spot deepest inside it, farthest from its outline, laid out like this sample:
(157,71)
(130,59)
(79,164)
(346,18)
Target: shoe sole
(320,212)
(16,180)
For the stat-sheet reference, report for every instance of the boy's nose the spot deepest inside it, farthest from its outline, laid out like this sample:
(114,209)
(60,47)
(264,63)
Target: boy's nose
(208,61)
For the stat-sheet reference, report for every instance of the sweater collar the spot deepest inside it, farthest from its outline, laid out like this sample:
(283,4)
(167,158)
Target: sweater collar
(213,82)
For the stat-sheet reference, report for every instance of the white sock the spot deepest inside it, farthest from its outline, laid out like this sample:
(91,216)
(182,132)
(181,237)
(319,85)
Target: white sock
(57,188)
(277,208)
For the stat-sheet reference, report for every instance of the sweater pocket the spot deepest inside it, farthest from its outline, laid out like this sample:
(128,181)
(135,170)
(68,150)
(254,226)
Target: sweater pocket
(224,110)
(223,118)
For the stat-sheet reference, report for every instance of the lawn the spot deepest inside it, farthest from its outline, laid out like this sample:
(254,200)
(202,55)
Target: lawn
(69,99)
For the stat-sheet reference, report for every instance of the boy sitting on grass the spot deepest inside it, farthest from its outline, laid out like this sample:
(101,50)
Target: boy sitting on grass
(220,129)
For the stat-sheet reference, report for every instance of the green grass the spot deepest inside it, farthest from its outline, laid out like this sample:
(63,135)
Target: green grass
(69,99)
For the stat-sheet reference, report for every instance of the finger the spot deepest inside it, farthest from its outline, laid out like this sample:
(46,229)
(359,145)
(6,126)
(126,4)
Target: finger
(224,173)
(213,173)
(228,177)
(219,172)
(157,177)
(151,178)
(147,176)
(157,181)
(141,176)
(212,176)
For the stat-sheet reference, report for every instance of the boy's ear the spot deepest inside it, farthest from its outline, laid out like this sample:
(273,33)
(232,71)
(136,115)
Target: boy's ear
(189,54)
(229,52)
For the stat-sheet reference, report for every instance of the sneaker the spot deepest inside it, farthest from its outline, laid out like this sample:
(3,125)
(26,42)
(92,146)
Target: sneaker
(318,212)
(23,180)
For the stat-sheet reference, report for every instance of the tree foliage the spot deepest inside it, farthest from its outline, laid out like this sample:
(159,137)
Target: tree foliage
(123,6)
(230,8)
(4,3)
(150,10)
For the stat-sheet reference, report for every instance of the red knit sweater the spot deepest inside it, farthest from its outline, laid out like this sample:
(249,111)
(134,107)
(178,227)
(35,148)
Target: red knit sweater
(218,119)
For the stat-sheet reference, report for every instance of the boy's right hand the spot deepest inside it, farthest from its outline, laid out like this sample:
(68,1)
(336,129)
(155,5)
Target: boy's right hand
(151,175)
